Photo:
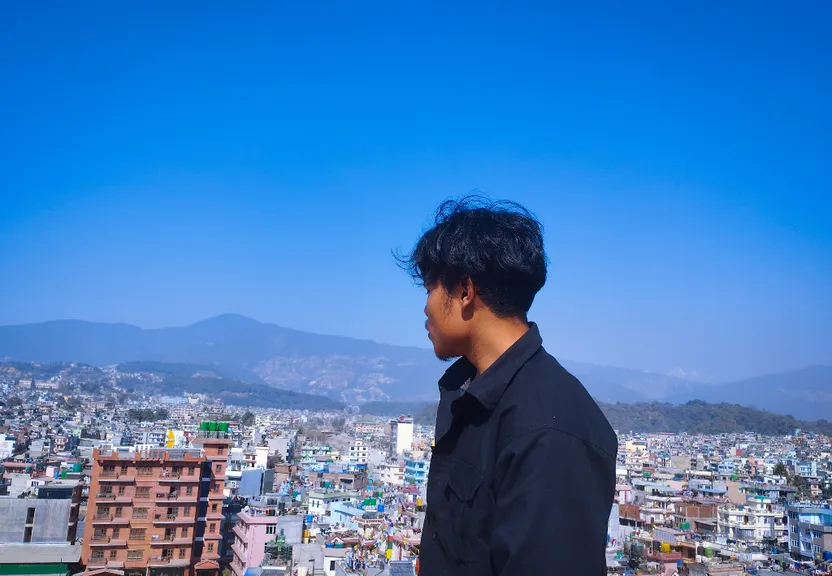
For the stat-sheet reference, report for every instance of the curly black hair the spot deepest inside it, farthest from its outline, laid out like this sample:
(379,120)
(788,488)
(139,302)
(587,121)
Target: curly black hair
(497,244)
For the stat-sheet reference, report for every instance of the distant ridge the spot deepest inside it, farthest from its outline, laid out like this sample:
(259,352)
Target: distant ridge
(356,371)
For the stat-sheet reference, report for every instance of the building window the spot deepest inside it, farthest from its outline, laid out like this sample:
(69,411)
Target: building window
(210,546)
(119,510)
(213,507)
(332,565)
(191,470)
(139,513)
(184,532)
(124,468)
(121,490)
(221,450)
(182,553)
(186,511)
(271,529)
(137,533)
(189,490)
(116,532)
(113,554)
(27,534)
(30,516)
(212,527)
(143,492)
(135,554)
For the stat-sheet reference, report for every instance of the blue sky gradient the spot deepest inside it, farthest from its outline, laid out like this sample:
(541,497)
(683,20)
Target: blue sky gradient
(162,164)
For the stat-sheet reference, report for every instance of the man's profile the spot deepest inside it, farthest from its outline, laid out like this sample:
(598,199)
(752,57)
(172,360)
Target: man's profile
(522,475)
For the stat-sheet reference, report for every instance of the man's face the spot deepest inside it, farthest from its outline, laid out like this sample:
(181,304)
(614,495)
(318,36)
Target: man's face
(447,330)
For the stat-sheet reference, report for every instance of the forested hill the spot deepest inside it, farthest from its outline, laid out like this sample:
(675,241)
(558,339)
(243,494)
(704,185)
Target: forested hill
(693,417)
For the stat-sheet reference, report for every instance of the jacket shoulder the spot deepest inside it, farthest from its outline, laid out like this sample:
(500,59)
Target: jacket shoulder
(543,394)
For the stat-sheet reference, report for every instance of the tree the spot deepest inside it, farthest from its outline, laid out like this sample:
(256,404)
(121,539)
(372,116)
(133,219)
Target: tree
(780,469)
(14,402)
(247,419)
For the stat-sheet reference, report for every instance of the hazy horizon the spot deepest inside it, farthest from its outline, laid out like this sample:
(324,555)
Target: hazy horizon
(425,347)
(164,165)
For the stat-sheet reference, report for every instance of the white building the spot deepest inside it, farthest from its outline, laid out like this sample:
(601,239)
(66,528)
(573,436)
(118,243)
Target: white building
(320,501)
(756,520)
(359,452)
(388,473)
(6,446)
(402,434)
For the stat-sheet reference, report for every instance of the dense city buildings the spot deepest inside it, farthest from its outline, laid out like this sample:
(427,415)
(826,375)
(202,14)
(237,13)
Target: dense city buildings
(111,483)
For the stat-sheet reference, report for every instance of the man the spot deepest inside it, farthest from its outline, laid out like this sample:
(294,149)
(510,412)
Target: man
(522,475)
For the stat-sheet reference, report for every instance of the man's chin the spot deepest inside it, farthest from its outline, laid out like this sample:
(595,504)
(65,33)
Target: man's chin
(444,358)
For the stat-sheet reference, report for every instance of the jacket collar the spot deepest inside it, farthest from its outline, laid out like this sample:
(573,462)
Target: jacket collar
(488,387)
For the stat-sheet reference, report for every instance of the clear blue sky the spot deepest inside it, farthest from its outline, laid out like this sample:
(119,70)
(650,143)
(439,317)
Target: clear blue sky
(162,164)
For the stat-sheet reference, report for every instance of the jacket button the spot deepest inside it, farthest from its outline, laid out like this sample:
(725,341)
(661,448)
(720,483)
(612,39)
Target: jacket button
(434,536)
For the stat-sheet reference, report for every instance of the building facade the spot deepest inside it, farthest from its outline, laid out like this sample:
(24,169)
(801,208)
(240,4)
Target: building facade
(157,512)
(401,431)
(810,532)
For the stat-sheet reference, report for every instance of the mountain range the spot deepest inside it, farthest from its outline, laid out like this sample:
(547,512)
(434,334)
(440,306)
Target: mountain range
(356,371)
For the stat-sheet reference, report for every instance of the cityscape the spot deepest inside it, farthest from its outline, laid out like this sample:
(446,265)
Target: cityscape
(100,477)
(242,244)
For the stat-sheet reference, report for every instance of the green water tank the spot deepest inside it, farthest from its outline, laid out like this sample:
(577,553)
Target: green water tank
(222,426)
(203,426)
(212,426)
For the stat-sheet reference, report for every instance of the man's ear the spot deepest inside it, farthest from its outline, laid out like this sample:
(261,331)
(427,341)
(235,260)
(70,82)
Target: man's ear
(467,292)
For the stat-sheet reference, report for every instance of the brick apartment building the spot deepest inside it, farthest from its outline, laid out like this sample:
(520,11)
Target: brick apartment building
(157,512)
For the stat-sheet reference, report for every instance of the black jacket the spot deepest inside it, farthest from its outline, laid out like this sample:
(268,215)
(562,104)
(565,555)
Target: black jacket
(522,476)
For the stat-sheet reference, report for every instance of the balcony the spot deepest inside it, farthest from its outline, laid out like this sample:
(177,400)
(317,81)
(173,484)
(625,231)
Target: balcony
(164,561)
(114,498)
(109,519)
(172,519)
(107,541)
(170,540)
(240,533)
(175,497)
(112,476)
(176,477)
(238,551)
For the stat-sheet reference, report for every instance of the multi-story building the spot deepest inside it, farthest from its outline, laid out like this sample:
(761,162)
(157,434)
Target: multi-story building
(158,511)
(49,517)
(777,493)
(257,526)
(416,471)
(810,531)
(390,473)
(359,452)
(368,426)
(756,521)
(402,435)
(657,502)
(320,500)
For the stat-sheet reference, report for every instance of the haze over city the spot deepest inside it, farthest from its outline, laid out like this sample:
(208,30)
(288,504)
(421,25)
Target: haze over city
(164,165)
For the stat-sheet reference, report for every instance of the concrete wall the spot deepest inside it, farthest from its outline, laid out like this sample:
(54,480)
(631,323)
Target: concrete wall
(292,527)
(50,523)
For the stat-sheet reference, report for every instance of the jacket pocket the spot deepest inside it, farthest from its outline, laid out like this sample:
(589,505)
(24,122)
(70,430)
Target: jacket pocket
(464,483)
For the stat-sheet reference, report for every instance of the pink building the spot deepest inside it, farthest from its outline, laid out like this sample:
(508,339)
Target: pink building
(251,534)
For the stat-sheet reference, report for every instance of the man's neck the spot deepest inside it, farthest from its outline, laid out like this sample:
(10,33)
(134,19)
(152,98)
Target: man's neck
(495,338)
